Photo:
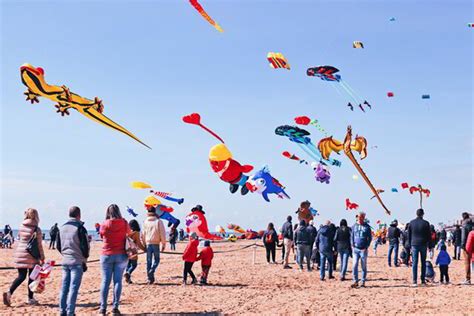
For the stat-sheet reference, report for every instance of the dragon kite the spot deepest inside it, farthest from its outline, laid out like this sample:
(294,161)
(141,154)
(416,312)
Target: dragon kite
(33,79)
(327,145)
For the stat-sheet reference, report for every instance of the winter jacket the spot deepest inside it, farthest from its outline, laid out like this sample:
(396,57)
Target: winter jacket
(287,230)
(457,234)
(419,232)
(343,239)
(21,257)
(302,236)
(206,256)
(313,232)
(443,258)
(393,235)
(153,232)
(191,252)
(325,240)
(73,243)
(361,236)
(470,245)
(467,226)
(270,234)
(113,233)
(173,235)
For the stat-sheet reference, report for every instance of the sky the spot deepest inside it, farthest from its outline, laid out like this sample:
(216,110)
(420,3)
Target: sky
(152,62)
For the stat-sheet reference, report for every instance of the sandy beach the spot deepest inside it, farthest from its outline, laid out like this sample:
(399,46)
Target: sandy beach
(240,287)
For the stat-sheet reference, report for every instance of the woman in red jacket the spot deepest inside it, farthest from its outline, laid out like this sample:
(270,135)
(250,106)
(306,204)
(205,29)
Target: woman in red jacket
(190,256)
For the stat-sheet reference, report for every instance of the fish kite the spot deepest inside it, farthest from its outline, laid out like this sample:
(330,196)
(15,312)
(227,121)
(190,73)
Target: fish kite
(263,182)
(131,212)
(304,120)
(204,14)
(294,157)
(196,223)
(277,60)
(351,206)
(221,160)
(33,79)
(418,189)
(164,195)
(236,228)
(357,44)
(328,145)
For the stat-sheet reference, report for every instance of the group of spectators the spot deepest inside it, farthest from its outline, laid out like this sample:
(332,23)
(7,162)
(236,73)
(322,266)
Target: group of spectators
(6,237)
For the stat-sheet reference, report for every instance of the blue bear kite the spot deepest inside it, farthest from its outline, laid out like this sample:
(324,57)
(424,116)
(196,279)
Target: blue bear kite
(263,182)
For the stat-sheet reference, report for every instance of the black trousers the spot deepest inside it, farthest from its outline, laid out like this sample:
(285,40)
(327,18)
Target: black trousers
(443,272)
(407,259)
(52,243)
(271,250)
(283,252)
(187,270)
(19,280)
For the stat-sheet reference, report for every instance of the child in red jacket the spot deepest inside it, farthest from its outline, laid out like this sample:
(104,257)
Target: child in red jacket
(206,256)
(190,256)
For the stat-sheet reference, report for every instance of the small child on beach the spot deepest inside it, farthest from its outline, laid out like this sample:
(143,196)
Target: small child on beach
(443,260)
(206,256)
(430,273)
(133,262)
(189,257)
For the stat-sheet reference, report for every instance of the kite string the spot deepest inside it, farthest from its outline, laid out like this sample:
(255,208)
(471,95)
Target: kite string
(211,132)
(351,90)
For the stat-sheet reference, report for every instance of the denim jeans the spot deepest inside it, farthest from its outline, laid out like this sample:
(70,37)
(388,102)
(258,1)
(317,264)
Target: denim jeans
(131,266)
(392,248)
(344,260)
(113,266)
(152,260)
(304,251)
(418,251)
(322,267)
(362,255)
(72,277)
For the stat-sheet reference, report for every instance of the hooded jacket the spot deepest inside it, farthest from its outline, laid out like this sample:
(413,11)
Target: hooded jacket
(113,233)
(361,236)
(21,257)
(443,258)
(302,235)
(343,239)
(206,255)
(393,234)
(325,239)
(153,231)
(467,226)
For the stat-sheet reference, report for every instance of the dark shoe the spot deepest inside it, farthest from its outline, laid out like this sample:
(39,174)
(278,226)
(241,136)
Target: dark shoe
(331,277)
(102,312)
(362,284)
(194,281)
(233,188)
(7,298)
(355,285)
(287,267)
(150,282)
(127,278)
(244,190)
(116,311)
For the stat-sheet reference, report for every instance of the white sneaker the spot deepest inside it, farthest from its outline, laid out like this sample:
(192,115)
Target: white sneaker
(414,285)
(466,282)
(32,301)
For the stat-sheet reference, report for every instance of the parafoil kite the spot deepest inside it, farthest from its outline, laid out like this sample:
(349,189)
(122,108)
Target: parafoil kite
(470,24)
(328,145)
(418,189)
(232,238)
(204,14)
(390,94)
(33,79)
(426,96)
(357,44)
(351,206)
(131,212)
(162,211)
(277,60)
(330,74)
(221,161)
(236,228)
(196,223)
(304,120)
(164,195)
(262,182)
(300,137)
(220,229)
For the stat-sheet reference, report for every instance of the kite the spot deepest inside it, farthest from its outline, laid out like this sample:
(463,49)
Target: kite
(236,228)
(204,14)
(162,211)
(329,74)
(390,94)
(220,159)
(418,189)
(164,195)
(220,229)
(196,223)
(351,206)
(305,212)
(263,182)
(470,24)
(304,120)
(33,79)
(394,190)
(359,144)
(357,44)
(426,96)
(294,157)
(277,60)
(300,137)
(392,19)
(232,238)
(379,191)
(131,212)
(322,173)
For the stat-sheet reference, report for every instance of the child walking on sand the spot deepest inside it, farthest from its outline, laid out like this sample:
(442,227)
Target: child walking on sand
(443,260)
(190,256)
(133,262)
(206,256)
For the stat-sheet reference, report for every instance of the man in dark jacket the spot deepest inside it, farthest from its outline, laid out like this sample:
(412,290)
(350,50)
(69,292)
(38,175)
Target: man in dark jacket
(313,232)
(303,245)
(419,235)
(53,233)
(287,231)
(457,241)
(393,236)
(406,245)
(361,237)
(325,244)
(467,226)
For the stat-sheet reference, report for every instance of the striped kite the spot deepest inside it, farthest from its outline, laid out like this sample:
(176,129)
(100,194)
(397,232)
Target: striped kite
(277,60)
(204,14)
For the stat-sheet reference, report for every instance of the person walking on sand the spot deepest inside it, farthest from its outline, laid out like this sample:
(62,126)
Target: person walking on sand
(303,242)
(343,244)
(419,235)
(134,235)
(53,233)
(173,236)
(325,244)
(467,227)
(23,260)
(206,255)
(153,235)
(113,258)
(443,260)
(270,240)
(470,248)
(406,245)
(313,232)
(393,236)
(361,237)
(73,244)
(287,231)
(457,241)
(189,257)
(433,241)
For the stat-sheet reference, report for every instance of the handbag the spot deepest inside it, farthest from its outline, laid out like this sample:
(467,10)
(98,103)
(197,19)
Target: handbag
(131,249)
(32,246)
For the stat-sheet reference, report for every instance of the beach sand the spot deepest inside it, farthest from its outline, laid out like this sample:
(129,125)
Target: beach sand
(240,287)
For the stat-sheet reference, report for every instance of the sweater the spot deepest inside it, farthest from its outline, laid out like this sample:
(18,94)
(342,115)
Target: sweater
(113,233)
(153,231)
(21,257)
(206,256)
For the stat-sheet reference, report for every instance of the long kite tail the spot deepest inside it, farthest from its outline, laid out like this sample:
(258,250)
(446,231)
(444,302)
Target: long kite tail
(195,119)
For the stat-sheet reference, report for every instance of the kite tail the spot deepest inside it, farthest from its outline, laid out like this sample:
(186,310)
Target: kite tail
(350,93)
(211,132)
(330,161)
(172,199)
(316,157)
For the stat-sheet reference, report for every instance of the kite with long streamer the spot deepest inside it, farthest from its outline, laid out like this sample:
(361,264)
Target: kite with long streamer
(33,79)
(204,14)
(304,120)
(165,195)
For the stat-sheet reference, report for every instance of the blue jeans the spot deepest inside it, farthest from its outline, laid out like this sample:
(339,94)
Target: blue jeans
(362,255)
(421,250)
(72,277)
(344,255)
(304,251)
(391,248)
(152,260)
(330,258)
(113,266)
(131,266)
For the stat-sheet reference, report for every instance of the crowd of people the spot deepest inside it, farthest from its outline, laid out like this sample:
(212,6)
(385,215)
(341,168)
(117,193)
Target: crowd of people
(6,237)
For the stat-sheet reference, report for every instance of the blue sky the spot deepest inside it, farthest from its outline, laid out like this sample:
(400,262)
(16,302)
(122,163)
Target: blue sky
(154,61)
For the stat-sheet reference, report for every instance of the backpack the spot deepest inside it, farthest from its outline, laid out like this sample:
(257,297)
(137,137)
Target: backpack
(269,238)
